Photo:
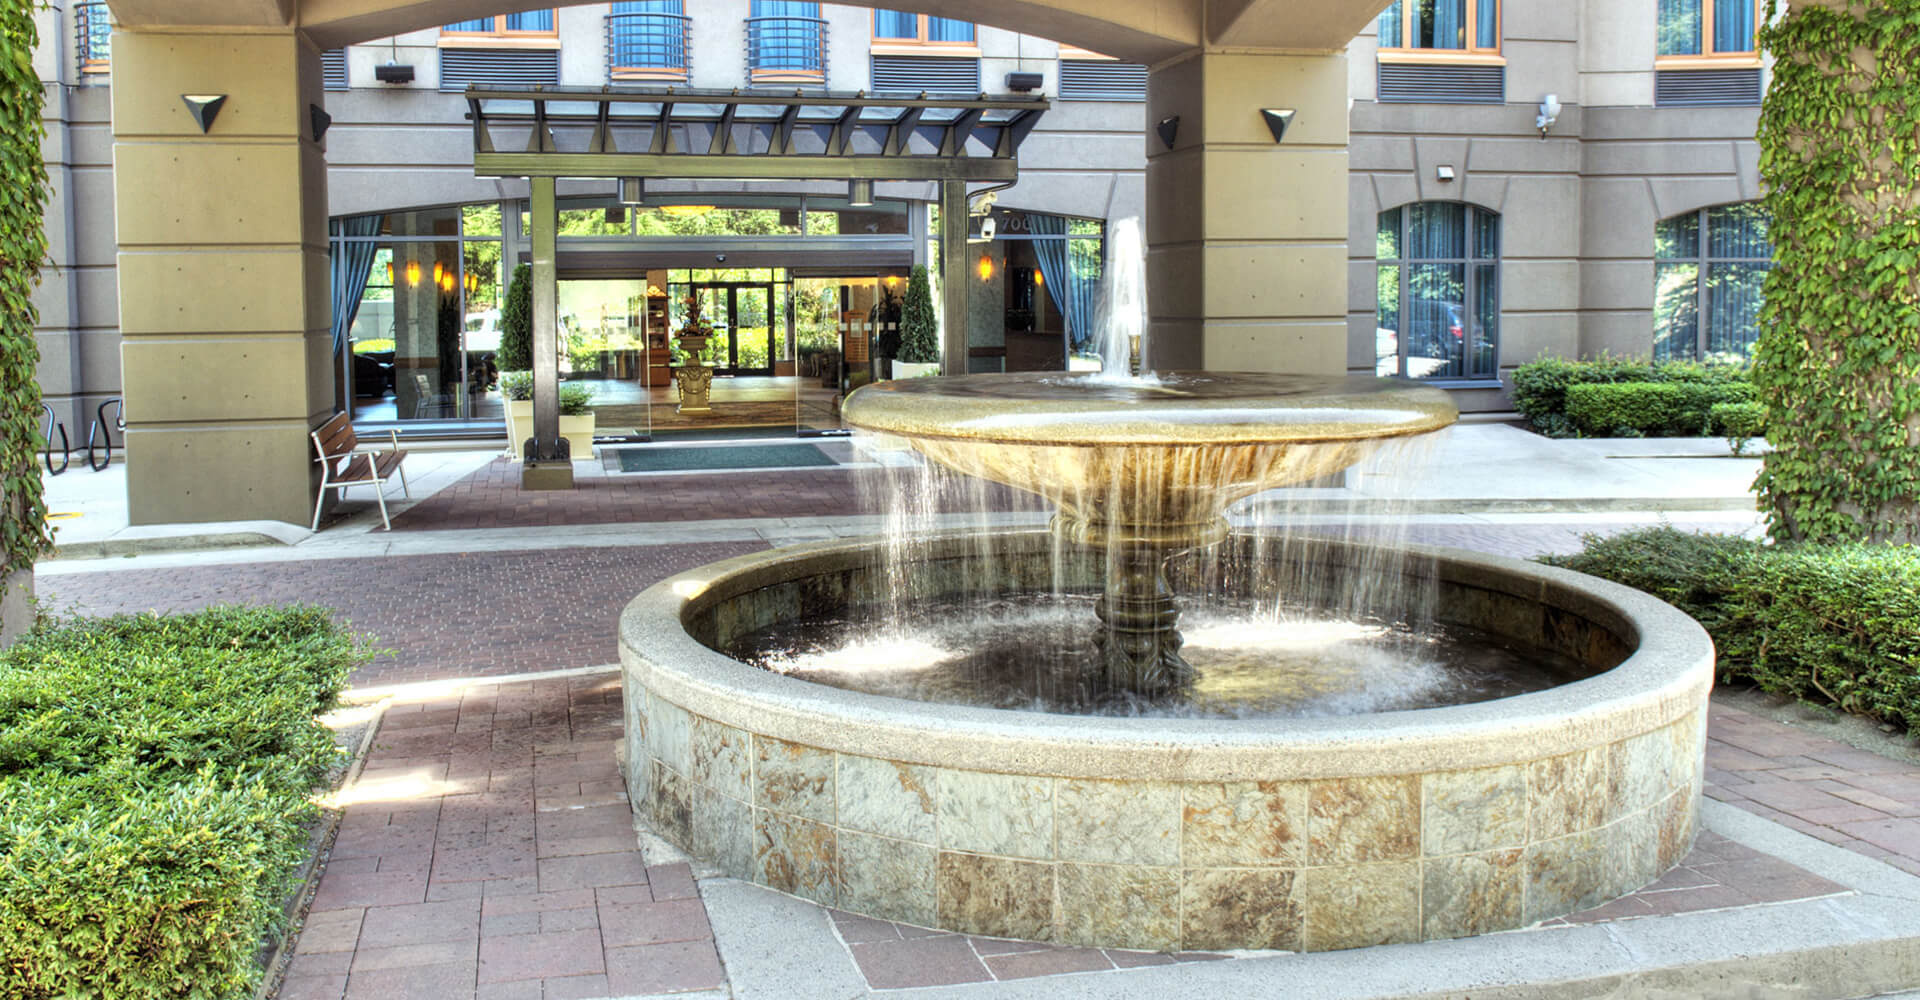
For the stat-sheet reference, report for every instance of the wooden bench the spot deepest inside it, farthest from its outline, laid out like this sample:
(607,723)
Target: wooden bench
(341,466)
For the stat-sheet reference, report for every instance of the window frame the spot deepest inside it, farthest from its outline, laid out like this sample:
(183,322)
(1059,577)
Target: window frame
(1707,58)
(922,44)
(1703,262)
(500,37)
(1470,265)
(1472,55)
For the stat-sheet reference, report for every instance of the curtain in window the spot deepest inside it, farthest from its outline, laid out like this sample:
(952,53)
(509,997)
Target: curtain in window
(786,45)
(647,7)
(895,24)
(1738,231)
(784,8)
(1071,286)
(1734,285)
(476,24)
(1440,24)
(1486,25)
(1733,26)
(1676,288)
(637,40)
(1389,26)
(352,265)
(1433,321)
(1436,230)
(1678,28)
(946,29)
(533,20)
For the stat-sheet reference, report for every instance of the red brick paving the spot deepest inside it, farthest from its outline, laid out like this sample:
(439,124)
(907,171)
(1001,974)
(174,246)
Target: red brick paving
(461,615)
(487,852)
(492,498)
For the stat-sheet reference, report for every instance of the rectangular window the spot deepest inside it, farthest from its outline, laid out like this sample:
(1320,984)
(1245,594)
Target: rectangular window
(1442,28)
(1707,30)
(647,39)
(1709,271)
(532,24)
(898,27)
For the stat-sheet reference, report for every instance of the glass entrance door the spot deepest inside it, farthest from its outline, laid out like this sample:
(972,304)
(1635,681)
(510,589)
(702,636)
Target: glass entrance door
(743,327)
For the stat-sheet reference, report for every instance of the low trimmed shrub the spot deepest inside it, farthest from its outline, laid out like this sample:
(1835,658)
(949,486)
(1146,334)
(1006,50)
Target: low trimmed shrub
(1838,625)
(1540,387)
(155,775)
(1650,409)
(1739,423)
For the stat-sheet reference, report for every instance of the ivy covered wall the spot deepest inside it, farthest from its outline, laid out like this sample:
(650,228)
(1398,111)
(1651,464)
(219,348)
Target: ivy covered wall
(1838,361)
(23,189)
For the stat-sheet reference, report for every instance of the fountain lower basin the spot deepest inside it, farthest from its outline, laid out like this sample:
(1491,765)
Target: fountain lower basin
(1171,834)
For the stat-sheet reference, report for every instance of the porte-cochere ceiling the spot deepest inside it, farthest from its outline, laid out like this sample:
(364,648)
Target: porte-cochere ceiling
(1144,31)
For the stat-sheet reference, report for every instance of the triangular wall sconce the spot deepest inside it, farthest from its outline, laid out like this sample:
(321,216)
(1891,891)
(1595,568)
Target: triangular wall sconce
(204,108)
(1277,121)
(321,121)
(1167,128)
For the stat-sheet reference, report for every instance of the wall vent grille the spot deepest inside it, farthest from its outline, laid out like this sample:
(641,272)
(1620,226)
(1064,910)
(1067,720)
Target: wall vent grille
(934,74)
(1427,83)
(1706,88)
(1101,80)
(333,69)
(506,68)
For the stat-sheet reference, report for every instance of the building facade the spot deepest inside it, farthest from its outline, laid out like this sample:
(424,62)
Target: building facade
(1556,178)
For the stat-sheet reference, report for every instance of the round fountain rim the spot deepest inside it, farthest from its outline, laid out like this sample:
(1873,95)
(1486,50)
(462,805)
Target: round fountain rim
(917,408)
(1661,680)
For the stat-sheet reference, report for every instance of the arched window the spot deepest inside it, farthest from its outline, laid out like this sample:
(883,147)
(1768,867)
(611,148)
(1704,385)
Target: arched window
(1439,291)
(1707,274)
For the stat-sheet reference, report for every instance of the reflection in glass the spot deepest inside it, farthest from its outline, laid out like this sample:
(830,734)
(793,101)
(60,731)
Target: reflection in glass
(1438,291)
(1676,310)
(1716,319)
(1678,31)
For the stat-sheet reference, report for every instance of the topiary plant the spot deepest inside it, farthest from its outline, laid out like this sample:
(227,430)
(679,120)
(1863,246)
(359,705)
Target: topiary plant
(516,323)
(23,244)
(1838,363)
(919,329)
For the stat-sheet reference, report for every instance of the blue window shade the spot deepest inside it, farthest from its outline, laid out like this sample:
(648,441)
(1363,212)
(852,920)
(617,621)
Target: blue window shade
(1441,25)
(1389,26)
(1486,25)
(895,24)
(533,20)
(784,8)
(946,29)
(647,7)
(647,34)
(477,24)
(1733,26)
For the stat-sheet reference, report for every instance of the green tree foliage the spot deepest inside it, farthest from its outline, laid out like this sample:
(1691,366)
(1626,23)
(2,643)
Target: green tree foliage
(919,330)
(1838,360)
(23,244)
(516,323)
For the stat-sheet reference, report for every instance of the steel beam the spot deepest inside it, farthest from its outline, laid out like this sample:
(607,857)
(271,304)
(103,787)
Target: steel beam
(686,166)
(954,277)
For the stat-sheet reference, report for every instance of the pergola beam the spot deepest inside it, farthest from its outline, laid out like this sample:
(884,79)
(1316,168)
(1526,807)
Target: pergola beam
(685,166)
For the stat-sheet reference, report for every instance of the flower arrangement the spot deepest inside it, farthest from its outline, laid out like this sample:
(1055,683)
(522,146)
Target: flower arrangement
(690,341)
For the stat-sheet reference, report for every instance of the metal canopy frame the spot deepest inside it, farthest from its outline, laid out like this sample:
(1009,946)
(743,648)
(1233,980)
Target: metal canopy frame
(689,134)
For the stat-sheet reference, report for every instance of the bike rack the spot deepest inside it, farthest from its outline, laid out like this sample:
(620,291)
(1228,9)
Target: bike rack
(66,449)
(99,427)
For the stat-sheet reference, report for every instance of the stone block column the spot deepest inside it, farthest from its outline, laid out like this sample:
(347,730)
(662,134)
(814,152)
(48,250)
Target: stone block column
(1246,236)
(223,273)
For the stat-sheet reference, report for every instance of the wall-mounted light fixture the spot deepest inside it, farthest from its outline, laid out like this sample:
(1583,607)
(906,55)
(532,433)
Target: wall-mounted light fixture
(439,271)
(1549,113)
(413,272)
(320,120)
(986,267)
(1277,119)
(1037,278)
(1024,82)
(633,191)
(393,72)
(204,108)
(1443,173)
(1167,129)
(389,274)
(893,281)
(860,193)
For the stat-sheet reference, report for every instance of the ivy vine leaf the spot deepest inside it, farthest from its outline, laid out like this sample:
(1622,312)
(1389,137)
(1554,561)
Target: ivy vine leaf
(24,534)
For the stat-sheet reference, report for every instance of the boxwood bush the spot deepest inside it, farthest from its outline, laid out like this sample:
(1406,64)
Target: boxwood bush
(1834,624)
(155,780)
(1650,409)
(1540,388)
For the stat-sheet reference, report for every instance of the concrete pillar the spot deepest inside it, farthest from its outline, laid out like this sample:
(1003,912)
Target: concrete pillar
(223,274)
(541,467)
(954,279)
(1246,236)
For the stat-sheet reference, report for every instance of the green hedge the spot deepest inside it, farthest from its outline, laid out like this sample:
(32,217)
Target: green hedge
(155,776)
(1835,624)
(1650,409)
(1738,422)
(1540,387)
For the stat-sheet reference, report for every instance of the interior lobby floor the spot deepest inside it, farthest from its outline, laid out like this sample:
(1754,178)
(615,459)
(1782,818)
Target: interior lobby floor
(624,405)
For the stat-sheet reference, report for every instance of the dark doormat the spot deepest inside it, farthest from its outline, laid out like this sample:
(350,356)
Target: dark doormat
(751,456)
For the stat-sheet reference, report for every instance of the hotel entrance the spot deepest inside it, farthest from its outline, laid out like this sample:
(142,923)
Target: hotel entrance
(743,327)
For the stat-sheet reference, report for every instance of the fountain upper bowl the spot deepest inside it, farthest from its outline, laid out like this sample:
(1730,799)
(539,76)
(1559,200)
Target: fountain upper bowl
(1164,408)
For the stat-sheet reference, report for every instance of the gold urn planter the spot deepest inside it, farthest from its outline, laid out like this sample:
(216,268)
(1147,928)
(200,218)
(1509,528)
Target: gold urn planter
(696,385)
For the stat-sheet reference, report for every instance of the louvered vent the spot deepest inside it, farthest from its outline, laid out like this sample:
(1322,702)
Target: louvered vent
(1426,83)
(934,74)
(1100,80)
(333,69)
(498,68)
(1706,88)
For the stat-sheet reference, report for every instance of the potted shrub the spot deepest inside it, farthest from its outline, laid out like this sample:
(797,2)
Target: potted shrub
(576,414)
(919,331)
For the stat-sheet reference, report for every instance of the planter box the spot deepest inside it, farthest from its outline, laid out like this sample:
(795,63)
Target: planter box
(577,430)
(911,369)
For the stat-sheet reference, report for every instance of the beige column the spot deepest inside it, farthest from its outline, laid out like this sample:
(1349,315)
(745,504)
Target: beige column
(223,273)
(1247,237)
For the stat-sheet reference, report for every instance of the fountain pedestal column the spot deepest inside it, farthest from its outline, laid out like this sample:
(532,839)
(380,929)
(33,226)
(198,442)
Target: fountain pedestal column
(1139,649)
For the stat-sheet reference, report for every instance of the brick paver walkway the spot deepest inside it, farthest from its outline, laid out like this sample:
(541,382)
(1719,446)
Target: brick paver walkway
(463,615)
(488,853)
